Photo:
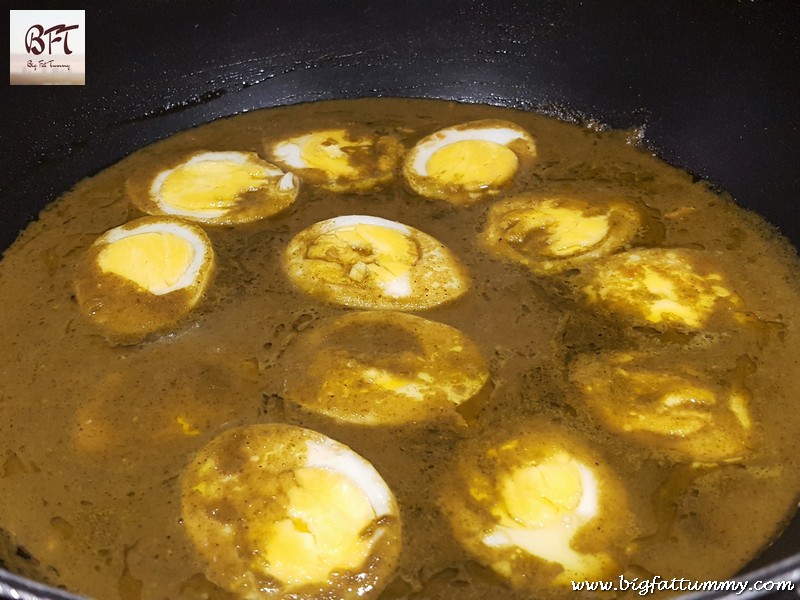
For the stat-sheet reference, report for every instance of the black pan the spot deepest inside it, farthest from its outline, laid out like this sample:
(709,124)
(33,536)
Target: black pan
(714,85)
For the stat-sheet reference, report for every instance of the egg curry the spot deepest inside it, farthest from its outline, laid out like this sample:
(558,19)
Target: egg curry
(394,349)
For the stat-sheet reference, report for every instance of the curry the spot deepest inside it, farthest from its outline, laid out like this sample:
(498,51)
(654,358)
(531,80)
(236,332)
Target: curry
(597,378)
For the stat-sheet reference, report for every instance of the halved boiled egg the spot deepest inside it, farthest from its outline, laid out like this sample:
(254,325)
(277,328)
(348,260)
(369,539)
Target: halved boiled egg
(219,188)
(464,163)
(662,287)
(369,262)
(682,411)
(279,511)
(374,368)
(340,160)
(145,275)
(538,507)
(550,234)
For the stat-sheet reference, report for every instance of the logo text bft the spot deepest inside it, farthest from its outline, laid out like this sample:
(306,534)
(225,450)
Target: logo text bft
(34,38)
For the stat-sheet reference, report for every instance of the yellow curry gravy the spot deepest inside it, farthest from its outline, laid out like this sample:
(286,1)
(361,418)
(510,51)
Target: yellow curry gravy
(96,432)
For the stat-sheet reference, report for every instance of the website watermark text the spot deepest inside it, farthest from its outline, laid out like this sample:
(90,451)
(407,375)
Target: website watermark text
(657,584)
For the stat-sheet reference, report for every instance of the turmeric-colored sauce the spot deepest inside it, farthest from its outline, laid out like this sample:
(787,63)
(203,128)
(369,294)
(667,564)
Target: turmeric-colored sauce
(614,392)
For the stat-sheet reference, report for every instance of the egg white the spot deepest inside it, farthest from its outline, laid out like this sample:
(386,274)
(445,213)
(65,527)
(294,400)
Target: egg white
(192,277)
(285,532)
(352,161)
(504,134)
(124,300)
(550,234)
(678,411)
(428,274)
(274,192)
(357,372)
(663,288)
(536,538)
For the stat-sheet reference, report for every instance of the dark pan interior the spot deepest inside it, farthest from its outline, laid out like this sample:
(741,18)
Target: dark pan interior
(713,84)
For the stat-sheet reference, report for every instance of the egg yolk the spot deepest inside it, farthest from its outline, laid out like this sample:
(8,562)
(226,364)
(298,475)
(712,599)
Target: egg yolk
(542,495)
(473,164)
(210,184)
(708,422)
(540,507)
(330,151)
(382,367)
(367,252)
(554,230)
(284,512)
(154,261)
(326,515)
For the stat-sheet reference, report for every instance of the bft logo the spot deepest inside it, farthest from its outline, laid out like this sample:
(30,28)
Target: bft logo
(35,40)
(48,47)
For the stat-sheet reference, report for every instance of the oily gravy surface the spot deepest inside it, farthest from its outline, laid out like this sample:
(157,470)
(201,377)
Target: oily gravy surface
(694,471)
